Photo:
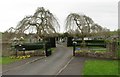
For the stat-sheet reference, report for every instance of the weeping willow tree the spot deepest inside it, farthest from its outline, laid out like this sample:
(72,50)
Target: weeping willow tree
(43,23)
(95,28)
(79,23)
(89,22)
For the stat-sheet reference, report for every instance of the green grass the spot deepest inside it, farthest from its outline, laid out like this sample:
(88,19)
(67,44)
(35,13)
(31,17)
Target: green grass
(99,49)
(94,49)
(100,67)
(7,60)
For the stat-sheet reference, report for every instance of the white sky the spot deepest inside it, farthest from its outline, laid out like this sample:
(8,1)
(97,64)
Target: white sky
(103,12)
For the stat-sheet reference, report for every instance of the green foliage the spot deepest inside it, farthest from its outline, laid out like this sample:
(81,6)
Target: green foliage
(101,67)
(92,49)
(30,46)
(53,50)
(114,32)
(93,43)
(108,41)
(98,49)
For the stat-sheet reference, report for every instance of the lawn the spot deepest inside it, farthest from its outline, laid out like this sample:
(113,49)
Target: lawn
(101,67)
(98,49)
(92,49)
(7,60)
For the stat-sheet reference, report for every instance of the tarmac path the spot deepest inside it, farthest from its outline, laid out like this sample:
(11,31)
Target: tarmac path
(51,65)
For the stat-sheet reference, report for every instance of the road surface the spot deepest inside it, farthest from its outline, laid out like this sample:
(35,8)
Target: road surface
(48,66)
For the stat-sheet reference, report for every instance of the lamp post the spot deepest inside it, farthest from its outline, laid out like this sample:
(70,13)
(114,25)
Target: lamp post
(74,47)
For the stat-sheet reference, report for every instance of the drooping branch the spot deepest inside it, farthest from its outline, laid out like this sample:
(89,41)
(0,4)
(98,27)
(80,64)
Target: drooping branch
(44,21)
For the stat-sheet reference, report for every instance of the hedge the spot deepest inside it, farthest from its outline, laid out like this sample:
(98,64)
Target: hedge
(29,46)
(99,43)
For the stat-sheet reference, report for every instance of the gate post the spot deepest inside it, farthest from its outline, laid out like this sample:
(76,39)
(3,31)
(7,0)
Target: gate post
(46,48)
(114,48)
(23,51)
(48,51)
(74,47)
(16,52)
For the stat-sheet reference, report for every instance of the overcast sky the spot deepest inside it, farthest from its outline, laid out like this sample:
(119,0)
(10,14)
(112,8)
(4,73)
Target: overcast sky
(103,12)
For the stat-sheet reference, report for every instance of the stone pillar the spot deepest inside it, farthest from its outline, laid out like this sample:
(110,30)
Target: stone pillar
(114,48)
(109,47)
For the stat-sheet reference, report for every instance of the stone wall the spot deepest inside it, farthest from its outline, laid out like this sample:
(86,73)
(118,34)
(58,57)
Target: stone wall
(6,49)
(111,52)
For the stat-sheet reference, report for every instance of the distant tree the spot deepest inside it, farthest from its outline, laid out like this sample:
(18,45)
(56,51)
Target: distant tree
(76,22)
(8,35)
(96,30)
(105,33)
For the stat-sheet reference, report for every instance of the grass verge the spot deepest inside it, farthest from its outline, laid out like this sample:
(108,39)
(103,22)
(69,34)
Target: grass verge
(7,60)
(101,67)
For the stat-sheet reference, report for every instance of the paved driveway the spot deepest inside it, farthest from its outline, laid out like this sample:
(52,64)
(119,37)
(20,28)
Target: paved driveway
(48,66)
